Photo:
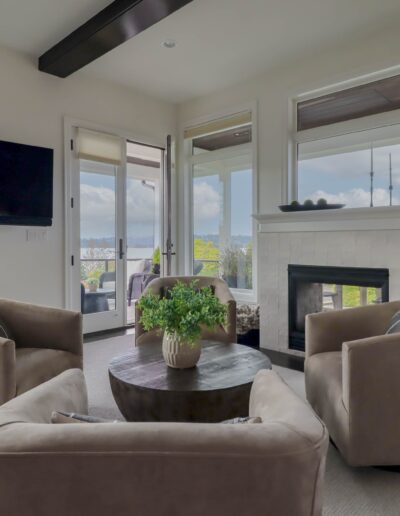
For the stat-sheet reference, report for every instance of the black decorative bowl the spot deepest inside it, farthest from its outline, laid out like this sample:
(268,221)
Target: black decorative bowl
(313,207)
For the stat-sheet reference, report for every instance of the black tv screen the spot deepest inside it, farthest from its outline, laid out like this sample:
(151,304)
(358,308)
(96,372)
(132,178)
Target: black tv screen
(26,185)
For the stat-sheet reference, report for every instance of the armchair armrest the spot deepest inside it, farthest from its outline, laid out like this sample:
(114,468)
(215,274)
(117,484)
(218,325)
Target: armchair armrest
(370,369)
(8,382)
(326,331)
(35,326)
(371,395)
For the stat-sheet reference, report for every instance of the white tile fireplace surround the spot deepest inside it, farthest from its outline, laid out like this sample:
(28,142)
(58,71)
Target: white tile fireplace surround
(342,238)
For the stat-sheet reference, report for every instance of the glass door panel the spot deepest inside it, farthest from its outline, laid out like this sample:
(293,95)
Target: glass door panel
(143,216)
(100,267)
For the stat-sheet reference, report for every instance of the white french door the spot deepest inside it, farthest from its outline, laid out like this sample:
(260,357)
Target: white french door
(119,237)
(97,259)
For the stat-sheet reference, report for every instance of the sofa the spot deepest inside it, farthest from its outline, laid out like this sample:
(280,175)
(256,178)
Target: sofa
(160,469)
(226,333)
(42,342)
(352,374)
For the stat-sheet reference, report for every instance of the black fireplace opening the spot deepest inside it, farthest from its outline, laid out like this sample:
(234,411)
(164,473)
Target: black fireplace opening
(314,288)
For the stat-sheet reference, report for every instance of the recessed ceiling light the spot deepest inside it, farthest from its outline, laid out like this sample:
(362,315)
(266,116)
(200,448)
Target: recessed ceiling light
(169,43)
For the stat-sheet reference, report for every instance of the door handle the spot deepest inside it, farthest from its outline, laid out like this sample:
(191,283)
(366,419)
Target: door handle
(121,248)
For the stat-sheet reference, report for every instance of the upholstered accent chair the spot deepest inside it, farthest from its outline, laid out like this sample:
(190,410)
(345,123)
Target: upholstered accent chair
(227,333)
(352,373)
(275,467)
(42,342)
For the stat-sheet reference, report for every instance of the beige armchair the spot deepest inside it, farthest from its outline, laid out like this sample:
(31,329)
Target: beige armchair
(352,374)
(43,342)
(274,468)
(227,333)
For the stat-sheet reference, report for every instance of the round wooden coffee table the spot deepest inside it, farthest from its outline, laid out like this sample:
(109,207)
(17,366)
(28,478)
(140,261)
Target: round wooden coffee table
(218,388)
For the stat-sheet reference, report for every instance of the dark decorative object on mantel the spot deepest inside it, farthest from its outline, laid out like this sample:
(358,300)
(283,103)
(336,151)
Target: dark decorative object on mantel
(309,205)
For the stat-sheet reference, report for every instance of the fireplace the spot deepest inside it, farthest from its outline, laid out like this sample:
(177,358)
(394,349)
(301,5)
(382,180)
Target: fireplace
(315,289)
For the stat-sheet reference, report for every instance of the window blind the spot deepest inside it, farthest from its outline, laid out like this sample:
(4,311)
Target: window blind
(218,125)
(368,99)
(95,146)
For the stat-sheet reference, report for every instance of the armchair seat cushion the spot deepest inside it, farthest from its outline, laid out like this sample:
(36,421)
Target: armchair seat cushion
(325,393)
(38,365)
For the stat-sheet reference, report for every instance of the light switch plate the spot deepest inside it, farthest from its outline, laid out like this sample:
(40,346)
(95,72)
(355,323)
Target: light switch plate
(36,235)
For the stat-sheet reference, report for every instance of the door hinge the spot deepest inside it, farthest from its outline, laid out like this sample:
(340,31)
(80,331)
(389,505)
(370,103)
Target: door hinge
(72,202)
(72,145)
(72,260)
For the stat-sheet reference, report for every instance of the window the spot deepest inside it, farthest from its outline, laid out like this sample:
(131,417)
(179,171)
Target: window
(344,157)
(220,159)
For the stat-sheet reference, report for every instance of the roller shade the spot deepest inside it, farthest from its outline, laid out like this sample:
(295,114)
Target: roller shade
(220,124)
(94,146)
(365,100)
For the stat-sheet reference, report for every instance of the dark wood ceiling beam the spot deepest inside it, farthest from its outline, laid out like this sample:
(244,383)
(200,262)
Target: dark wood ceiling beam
(118,22)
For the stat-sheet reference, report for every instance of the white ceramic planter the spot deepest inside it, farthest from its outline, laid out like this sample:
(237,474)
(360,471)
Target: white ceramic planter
(178,354)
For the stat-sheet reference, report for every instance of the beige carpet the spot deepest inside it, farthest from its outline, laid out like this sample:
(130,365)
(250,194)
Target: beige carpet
(348,491)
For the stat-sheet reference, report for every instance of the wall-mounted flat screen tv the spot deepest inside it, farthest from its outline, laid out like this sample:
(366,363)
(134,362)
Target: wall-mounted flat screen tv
(26,185)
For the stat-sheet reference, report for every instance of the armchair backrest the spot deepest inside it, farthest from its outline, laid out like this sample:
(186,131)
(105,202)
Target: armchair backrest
(326,331)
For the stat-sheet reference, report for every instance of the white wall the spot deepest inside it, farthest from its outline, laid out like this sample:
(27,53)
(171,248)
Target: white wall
(32,107)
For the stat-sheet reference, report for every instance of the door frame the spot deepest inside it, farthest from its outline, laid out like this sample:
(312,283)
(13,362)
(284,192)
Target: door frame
(70,239)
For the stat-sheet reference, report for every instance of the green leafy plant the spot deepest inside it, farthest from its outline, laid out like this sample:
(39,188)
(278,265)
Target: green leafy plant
(236,266)
(308,202)
(229,264)
(92,282)
(183,311)
(156,256)
(295,203)
(322,202)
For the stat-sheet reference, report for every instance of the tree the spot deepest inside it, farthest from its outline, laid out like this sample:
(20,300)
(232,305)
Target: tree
(203,251)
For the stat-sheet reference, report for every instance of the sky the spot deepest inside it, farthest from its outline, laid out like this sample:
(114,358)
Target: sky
(345,178)
(208,204)
(98,206)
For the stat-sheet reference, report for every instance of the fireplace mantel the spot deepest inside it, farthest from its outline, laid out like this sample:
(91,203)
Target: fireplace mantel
(347,219)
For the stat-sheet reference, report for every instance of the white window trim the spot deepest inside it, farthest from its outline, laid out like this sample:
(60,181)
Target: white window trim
(294,137)
(243,296)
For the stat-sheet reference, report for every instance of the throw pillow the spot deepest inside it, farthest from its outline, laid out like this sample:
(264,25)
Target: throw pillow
(394,326)
(242,420)
(65,417)
(4,333)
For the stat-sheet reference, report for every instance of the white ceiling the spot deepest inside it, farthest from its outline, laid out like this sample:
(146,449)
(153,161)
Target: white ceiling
(33,26)
(219,42)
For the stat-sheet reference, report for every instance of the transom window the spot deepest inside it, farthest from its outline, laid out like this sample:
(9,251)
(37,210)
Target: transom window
(347,147)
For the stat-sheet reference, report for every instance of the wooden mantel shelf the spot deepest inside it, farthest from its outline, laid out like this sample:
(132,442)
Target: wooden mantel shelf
(350,219)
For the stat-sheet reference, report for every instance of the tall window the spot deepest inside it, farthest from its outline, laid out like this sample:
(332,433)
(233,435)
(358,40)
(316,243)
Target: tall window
(220,159)
(348,146)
